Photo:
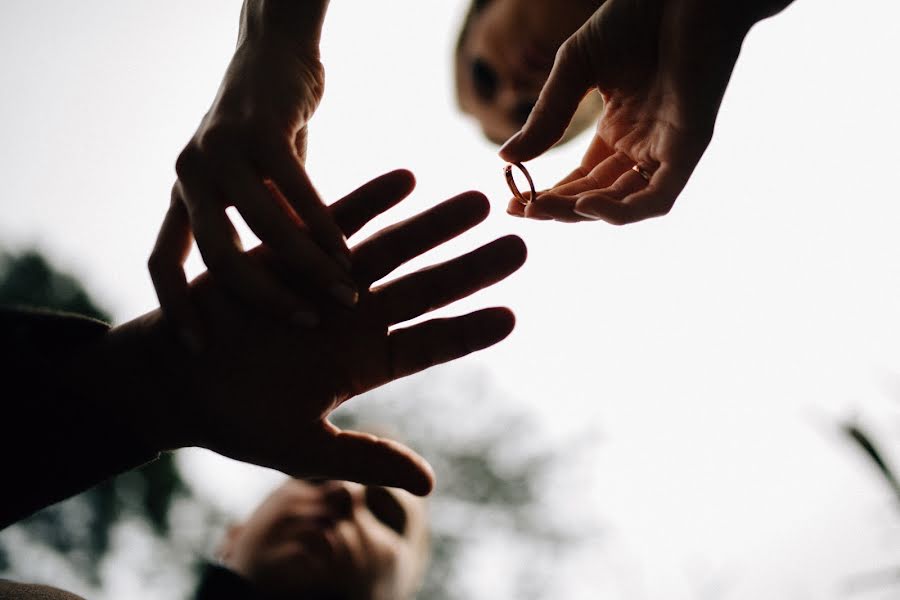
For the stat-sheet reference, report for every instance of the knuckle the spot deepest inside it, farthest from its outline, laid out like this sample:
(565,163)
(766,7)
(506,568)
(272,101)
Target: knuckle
(571,53)
(216,136)
(156,264)
(216,259)
(313,78)
(188,160)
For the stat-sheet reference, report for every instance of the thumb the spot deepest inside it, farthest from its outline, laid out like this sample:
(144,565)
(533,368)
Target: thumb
(569,81)
(371,460)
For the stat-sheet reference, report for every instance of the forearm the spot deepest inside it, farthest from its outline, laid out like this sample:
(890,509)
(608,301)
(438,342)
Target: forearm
(746,13)
(770,8)
(81,404)
(299,21)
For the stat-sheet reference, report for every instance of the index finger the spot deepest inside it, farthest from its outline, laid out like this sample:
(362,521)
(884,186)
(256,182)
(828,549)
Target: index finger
(356,209)
(566,86)
(295,186)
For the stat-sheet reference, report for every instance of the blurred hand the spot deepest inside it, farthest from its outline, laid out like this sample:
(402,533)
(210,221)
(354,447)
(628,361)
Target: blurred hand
(249,152)
(261,391)
(662,67)
(331,539)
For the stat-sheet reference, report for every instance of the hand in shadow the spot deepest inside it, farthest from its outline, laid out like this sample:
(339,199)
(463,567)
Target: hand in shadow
(261,390)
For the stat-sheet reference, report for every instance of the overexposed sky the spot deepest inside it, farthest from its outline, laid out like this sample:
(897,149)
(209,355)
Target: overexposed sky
(710,349)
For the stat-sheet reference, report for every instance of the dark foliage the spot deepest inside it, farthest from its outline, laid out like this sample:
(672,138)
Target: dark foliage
(80,528)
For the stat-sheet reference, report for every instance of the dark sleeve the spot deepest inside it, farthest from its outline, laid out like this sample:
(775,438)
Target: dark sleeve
(220,583)
(54,443)
(10,590)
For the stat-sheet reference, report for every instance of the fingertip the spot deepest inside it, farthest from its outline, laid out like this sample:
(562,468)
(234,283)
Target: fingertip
(403,180)
(410,472)
(408,175)
(515,208)
(517,248)
(422,484)
(502,323)
(508,151)
(476,202)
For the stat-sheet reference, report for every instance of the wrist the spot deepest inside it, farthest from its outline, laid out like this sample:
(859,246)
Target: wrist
(742,16)
(137,373)
(294,22)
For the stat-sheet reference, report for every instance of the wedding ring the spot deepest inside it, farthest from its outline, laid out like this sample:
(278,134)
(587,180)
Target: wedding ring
(637,169)
(511,182)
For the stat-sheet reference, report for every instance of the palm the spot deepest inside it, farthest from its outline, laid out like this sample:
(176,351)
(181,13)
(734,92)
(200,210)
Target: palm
(265,376)
(662,75)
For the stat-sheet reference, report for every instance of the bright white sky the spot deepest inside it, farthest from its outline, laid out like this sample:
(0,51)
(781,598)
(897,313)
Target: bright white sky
(710,348)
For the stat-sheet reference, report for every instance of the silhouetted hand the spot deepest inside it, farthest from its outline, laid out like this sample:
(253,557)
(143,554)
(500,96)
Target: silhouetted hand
(662,67)
(261,390)
(249,152)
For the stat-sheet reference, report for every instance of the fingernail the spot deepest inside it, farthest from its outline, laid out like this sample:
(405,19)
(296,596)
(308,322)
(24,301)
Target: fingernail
(586,213)
(510,142)
(190,340)
(304,319)
(345,294)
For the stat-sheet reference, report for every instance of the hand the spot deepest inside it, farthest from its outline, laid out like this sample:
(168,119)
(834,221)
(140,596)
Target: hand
(662,67)
(261,391)
(249,153)
(336,538)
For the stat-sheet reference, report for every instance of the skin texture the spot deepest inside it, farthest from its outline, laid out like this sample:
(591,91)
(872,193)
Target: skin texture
(662,67)
(504,56)
(261,390)
(248,152)
(332,538)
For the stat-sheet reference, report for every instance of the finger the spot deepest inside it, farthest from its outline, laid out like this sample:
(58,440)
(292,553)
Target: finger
(220,247)
(268,219)
(297,189)
(602,175)
(356,209)
(569,81)
(437,286)
(515,208)
(166,266)
(653,200)
(612,180)
(552,207)
(390,248)
(413,349)
(370,460)
(599,167)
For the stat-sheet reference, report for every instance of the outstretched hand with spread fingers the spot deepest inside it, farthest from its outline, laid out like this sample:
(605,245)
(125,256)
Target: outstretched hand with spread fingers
(262,390)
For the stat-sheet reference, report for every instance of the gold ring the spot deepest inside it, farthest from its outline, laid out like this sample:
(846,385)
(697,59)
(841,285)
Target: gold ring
(637,169)
(511,182)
